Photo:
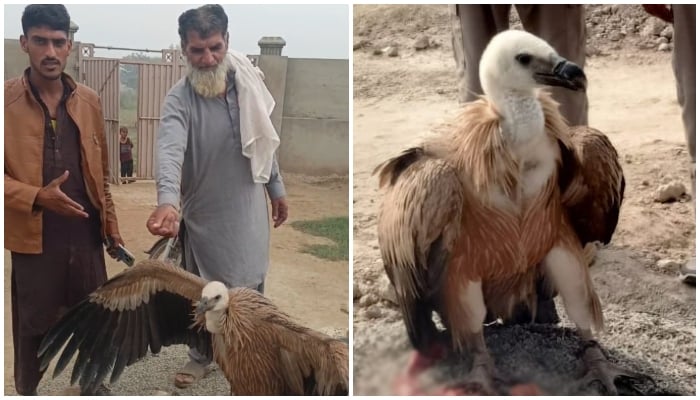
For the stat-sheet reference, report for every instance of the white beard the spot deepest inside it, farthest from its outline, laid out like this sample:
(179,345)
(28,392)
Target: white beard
(209,83)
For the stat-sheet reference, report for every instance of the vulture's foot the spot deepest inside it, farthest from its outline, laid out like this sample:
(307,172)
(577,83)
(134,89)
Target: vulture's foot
(406,384)
(600,369)
(479,381)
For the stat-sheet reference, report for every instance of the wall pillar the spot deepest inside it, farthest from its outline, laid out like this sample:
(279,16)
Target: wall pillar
(271,45)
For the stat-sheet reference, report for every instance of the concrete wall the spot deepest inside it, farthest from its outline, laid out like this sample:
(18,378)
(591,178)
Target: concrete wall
(275,70)
(16,60)
(314,131)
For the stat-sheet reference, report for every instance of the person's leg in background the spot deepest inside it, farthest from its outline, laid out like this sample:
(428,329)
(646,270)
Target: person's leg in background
(473,26)
(122,171)
(563,26)
(130,171)
(684,71)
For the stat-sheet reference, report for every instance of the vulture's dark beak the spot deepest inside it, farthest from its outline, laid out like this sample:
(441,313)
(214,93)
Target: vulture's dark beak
(202,307)
(565,74)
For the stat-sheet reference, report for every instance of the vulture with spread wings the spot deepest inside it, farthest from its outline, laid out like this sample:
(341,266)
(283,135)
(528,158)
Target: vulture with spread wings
(259,349)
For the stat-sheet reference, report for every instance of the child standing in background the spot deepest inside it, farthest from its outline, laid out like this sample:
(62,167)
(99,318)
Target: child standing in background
(126,157)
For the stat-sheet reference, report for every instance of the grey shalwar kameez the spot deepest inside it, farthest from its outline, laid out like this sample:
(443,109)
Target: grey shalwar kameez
(200,167)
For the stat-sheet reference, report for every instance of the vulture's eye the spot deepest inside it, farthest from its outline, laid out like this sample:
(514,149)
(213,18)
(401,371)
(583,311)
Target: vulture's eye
(524,59)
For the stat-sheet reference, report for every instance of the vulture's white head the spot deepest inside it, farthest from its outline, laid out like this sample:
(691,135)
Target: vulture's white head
(214,298)
(518,61)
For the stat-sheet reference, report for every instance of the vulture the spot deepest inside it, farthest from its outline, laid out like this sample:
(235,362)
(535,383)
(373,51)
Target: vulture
(498,210)
(259,349)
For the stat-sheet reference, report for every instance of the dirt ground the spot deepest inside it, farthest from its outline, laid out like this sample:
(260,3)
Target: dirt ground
(398,100)
(312,290)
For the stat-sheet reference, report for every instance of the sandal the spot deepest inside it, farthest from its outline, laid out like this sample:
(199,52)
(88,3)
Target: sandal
(687,272)
(190,374)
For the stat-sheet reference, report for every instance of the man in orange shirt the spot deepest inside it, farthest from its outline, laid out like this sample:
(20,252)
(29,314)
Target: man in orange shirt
(58,208)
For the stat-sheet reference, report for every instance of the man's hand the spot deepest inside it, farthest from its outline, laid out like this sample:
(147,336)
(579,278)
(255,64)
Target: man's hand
(52,198)
(116,240)
(279,211)
(659,11)
(164,221)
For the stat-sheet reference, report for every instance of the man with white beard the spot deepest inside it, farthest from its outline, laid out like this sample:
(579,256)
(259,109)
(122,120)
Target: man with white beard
(214,162)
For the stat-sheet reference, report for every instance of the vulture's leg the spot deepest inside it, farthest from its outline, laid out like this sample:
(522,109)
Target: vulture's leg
(479,381)
(567,268)
(465,323)
(426,339)
(467,327)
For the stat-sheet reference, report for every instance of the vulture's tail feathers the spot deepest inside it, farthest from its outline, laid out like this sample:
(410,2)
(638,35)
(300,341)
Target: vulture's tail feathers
(390,170)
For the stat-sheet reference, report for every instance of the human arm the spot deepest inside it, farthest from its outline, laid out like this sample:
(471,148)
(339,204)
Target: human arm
(24,197)
(277,193)
(171,144)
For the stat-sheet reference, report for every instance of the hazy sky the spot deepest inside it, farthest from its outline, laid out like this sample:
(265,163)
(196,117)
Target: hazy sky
(311,31)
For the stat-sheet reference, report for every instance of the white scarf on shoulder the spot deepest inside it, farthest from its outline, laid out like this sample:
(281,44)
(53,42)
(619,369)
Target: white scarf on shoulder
(258,136)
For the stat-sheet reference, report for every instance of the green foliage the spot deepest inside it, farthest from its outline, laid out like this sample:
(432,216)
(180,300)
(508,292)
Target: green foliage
(333,228)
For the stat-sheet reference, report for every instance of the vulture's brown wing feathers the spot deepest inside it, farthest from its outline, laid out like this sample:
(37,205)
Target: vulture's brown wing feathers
(600,185)
(302,377)
(288,358)
(419,221)
(147,306)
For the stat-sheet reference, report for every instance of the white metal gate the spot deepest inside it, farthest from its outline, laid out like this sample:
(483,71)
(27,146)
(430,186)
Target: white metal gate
(154,82)
(155,79)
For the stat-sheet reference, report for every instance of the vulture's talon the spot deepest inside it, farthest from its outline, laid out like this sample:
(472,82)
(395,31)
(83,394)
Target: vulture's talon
(601,370)
(479,381)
